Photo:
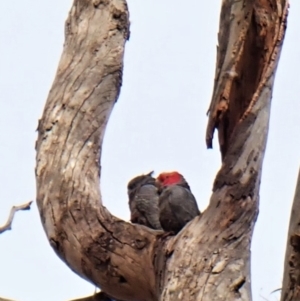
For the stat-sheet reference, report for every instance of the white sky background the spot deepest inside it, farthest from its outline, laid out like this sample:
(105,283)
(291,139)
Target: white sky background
(158,123)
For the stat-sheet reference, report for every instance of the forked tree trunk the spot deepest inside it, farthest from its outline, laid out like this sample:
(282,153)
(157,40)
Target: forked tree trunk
(210,258)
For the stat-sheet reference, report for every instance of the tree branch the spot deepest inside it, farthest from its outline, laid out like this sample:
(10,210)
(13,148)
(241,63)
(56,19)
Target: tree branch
(216,246)
(108,252)
(13,210)
(291,274)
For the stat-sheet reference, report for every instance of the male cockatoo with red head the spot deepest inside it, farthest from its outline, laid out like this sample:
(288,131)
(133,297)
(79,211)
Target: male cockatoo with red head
(177,205)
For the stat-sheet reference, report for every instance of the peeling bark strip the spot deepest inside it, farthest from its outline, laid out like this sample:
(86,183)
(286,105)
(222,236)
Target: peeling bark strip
(210,258)
(251,34)
(291,277)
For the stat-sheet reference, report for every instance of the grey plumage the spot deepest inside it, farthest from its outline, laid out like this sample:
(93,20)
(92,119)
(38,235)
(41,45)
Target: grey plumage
(143,201)
(177,207)
(177,204)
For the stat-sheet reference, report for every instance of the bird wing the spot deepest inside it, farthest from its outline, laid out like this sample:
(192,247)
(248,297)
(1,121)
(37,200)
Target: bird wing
(182,203)
(147,204)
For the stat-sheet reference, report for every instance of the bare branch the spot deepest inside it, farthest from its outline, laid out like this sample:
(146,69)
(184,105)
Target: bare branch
(110,253)
(291,274)
(14,209)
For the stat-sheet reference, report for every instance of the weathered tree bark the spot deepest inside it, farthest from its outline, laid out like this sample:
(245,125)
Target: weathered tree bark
(291,277)
(210,258)
(92,242)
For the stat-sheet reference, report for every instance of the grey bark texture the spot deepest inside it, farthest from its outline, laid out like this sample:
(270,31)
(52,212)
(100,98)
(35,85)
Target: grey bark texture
(210,258)
(291,278)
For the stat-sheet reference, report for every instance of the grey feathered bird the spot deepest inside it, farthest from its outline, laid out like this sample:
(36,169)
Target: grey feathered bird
(177,204)
(143,201)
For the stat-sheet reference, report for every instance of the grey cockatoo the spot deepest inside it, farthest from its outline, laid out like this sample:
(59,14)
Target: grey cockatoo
(143,201)
(177,204)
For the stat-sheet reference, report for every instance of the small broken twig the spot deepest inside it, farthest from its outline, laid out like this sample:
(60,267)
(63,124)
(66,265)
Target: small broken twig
(13,210)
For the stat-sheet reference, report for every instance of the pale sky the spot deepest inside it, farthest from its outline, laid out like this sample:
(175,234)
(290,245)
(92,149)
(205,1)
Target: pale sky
(158,123)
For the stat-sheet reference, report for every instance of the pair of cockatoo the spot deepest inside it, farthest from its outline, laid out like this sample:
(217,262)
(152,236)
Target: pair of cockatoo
(163,203)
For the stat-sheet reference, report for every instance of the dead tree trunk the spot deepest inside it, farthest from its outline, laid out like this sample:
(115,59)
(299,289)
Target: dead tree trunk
(210,258)
(291,278)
